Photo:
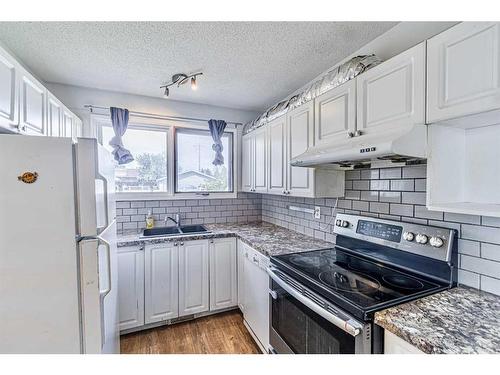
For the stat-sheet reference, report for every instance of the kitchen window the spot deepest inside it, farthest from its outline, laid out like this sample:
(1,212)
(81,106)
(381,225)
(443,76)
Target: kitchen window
(170,162)
(148,171)
(194,171)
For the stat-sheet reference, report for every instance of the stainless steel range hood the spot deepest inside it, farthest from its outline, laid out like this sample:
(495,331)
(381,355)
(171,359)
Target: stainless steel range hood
(406,144)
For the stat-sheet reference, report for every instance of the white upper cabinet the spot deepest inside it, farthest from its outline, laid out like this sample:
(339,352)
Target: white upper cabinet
(289,136)
(247,163)
(193,277)
(392,94)
(54,116)
(254,161)
(223,274)
(33,105)
(131,286)
(335,114)
(67,122)
(26,106)
(161,282)
(300,135)
(463,72)
(77,127)
(277,155)
(260,159)
(9,91)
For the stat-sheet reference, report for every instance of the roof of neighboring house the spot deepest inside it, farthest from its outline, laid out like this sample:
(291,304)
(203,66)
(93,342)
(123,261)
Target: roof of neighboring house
(195,173)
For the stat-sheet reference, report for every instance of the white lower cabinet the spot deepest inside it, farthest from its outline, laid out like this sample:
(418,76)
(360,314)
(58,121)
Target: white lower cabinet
(193,277)
(223,274)
(131,286)
(395,345)
(256,295)
(161,282)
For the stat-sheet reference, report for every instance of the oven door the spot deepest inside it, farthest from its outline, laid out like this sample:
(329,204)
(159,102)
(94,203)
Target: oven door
(302,322)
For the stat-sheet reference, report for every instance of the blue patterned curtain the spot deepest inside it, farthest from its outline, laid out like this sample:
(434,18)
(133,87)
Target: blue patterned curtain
(119,119)
(216,130)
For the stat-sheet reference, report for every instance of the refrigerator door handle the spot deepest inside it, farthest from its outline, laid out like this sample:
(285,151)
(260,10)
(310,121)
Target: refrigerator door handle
(106,201)
(104,293)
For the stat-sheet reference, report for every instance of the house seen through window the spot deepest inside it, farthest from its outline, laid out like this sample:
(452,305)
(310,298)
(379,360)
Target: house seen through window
(194,156)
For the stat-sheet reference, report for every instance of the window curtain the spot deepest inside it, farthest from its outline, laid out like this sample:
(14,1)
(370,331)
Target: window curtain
(216,130)
(119,119)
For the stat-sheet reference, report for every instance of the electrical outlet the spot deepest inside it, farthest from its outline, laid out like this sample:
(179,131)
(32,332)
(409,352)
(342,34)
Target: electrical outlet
(317,212)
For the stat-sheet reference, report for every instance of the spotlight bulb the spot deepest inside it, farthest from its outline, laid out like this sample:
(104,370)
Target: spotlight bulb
(194,85)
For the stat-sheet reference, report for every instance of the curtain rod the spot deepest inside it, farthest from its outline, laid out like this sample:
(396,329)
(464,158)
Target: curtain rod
(163,117)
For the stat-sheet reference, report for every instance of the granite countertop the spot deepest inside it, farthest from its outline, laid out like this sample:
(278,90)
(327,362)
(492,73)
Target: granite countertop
(457,321)
(269,239)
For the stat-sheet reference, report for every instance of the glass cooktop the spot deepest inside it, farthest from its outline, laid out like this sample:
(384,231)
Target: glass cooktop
(362,282)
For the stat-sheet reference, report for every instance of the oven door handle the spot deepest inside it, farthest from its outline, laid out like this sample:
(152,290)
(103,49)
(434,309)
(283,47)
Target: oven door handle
(350,326)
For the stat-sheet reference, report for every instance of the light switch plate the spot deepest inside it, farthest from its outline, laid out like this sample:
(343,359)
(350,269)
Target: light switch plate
(317,212)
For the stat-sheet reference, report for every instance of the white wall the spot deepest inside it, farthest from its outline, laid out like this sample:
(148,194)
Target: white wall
(76,97)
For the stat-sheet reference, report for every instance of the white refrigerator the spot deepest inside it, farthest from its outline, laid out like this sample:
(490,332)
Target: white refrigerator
(58,262)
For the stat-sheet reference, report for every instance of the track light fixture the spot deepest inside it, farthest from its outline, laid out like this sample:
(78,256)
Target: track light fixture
(180,79)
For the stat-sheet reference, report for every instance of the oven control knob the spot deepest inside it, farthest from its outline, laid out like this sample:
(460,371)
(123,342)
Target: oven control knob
(408,236)
(345,223)
(436,242)
(422,239)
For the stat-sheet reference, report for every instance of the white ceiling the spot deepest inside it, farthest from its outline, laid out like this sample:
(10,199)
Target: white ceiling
(246,65)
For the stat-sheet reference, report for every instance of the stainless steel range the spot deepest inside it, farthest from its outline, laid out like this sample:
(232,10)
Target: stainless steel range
(324,301)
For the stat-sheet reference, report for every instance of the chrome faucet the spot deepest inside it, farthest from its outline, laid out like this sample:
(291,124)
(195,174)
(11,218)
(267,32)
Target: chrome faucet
(176,219)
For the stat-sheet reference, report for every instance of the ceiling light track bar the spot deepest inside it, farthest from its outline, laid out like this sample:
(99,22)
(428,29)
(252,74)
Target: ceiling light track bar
(92,107)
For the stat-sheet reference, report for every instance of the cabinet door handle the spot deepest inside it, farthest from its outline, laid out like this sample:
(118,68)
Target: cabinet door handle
(182,243)
(358,133)
(350,134)
(141,248)
(175,243)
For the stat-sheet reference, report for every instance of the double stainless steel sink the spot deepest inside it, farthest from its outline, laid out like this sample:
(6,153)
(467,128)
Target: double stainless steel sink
(174,231)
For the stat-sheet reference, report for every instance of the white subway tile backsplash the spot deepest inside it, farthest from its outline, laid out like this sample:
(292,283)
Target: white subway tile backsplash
(370,174)
(369,195)
(469,278)
(479,265)
(390,196)
(401,209)
(479,233)
(490,251)
(379,185)
(461,218)
(390,173)
(403,185)
(423,212)
(419,171)
(469,247)
(491,221)
(379,207)
(490,284)
(413,198)
(420,185)
(361,185)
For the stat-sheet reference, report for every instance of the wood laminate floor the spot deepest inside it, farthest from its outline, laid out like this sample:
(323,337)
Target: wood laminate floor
(216,334)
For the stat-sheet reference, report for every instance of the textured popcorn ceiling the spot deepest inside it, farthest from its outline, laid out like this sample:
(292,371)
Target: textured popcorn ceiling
(247,65)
